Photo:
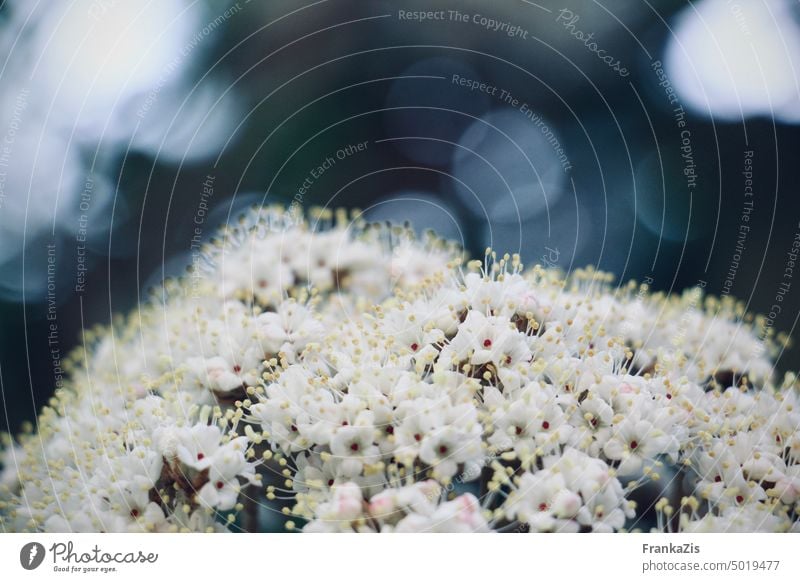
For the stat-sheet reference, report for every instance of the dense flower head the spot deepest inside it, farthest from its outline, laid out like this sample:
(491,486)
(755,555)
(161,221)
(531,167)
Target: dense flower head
(144,435)
(553,400)
(366,381)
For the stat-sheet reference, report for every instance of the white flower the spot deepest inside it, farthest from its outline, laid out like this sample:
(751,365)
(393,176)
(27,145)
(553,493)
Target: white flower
(750,518)
(353,446)
(339,514)
(633,442)
(219,494)
(787,486)
(198,445)
(127,480)
(543,502)
(481,339)
(257,268)
(461,515)
(288,330)
(412,265)
(446,448)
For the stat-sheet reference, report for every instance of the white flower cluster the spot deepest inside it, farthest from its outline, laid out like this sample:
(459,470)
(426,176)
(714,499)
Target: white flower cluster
(144,473)
(372,383)
(413,508)
(552,401)
(143,436)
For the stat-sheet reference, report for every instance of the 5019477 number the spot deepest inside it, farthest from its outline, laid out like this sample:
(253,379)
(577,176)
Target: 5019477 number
(754,565)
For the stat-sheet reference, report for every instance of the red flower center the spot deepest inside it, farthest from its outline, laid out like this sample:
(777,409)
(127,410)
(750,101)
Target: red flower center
(414,347)
(442,450)
(200,456)
(739,499)
(545,425)
(634,445)
(237,368)
(354,447)
(487,343)
(220,484)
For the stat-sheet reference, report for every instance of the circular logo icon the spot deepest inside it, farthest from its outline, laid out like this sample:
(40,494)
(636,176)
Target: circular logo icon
(31,555)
